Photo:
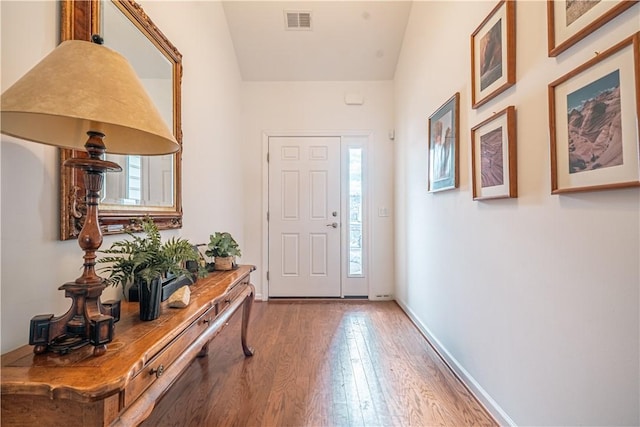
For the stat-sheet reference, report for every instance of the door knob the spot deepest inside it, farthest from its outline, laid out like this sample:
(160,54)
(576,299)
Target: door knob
(333,224)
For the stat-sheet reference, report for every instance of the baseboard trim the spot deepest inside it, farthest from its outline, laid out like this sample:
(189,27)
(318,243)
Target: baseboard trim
(490,405)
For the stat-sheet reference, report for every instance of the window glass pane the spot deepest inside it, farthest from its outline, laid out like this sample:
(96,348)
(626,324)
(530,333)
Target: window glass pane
(134,178)
(355,212)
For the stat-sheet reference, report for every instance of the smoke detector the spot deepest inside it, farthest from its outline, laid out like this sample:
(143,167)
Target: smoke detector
(299,20)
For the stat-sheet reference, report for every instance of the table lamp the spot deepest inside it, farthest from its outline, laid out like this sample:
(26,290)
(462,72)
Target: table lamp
(83,88)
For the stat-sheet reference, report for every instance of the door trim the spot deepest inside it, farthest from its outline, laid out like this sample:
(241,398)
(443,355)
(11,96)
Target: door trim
(265,190)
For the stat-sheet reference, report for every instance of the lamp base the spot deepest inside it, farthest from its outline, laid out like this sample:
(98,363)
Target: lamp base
(88,321)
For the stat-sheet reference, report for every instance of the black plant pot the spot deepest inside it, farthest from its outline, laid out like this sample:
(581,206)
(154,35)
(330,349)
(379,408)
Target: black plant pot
(150,299)
(134,292)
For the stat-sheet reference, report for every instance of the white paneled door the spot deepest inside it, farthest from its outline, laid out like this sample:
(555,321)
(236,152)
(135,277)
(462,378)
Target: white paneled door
(304,217)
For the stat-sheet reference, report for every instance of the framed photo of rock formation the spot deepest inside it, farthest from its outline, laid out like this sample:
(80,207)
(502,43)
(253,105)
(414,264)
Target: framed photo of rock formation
(444,146)
(493,54)
(493,157)
(569,21)
(593,122)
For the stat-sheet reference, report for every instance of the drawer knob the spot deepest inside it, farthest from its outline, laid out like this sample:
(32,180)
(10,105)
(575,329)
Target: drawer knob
(158,372)
(206,321)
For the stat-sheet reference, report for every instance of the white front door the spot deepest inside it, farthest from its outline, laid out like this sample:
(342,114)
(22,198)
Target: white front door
(304,217)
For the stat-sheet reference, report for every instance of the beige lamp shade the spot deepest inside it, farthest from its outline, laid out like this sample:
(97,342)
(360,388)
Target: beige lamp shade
(82,86)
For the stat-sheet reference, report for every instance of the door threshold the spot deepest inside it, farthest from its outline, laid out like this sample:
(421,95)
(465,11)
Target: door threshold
(319,299)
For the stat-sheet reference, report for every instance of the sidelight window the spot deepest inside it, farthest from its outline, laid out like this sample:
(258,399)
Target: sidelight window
(355,247)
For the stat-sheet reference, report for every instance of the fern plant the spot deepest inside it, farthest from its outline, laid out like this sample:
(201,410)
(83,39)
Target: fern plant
(144,258)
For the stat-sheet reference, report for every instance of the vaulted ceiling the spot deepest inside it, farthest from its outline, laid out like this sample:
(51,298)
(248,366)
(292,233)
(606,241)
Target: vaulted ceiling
(347,40)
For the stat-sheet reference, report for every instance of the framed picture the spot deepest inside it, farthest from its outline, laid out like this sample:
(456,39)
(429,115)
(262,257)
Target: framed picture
(593,122)
(493,54)
(569,21)
(444,145)
(493,157)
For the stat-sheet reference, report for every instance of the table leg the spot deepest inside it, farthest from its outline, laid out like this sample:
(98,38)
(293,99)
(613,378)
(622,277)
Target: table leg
(204,351)
(246,313)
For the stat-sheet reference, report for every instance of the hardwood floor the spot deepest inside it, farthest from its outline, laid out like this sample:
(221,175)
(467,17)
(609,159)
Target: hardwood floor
(320,363)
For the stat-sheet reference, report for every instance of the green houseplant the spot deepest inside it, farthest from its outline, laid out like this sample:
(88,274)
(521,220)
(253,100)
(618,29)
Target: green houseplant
(223,248)
(146,261)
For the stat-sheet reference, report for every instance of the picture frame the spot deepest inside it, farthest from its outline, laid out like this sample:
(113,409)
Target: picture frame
(569,22)
(494,156)
(444,146)
(593,117)
(493,54)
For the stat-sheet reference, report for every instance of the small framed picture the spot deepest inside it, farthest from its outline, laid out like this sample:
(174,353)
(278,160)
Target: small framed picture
(493,157)
(443,146)
(593,122)
(493,54)
(569,21)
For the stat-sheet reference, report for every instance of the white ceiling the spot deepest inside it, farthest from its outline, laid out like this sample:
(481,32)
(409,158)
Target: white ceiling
(349,40)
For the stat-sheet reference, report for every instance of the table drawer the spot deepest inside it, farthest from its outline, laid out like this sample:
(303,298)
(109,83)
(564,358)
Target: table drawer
(159,365)
(232,295)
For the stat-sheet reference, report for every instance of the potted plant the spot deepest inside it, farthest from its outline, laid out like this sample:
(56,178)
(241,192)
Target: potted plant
(146,261)
(224,249)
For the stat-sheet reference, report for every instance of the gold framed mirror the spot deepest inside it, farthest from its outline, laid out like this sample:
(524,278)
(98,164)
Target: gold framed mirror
(149,185)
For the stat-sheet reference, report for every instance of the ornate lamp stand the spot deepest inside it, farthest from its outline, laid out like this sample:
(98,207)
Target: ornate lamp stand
(88,321)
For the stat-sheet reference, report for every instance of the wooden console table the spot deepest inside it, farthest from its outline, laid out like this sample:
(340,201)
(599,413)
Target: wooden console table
(122,386)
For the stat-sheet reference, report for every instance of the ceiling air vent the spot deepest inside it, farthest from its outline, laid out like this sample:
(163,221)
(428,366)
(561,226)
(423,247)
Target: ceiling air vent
(297,19)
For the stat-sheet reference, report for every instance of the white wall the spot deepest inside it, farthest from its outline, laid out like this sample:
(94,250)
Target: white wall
(212,180)
(535,299)
(34,262)
(319,106)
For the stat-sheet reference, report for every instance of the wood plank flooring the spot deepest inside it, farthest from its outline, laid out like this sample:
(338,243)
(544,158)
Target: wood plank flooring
(320,363)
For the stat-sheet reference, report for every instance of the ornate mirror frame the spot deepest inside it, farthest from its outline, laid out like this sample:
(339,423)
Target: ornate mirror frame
(79,20)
